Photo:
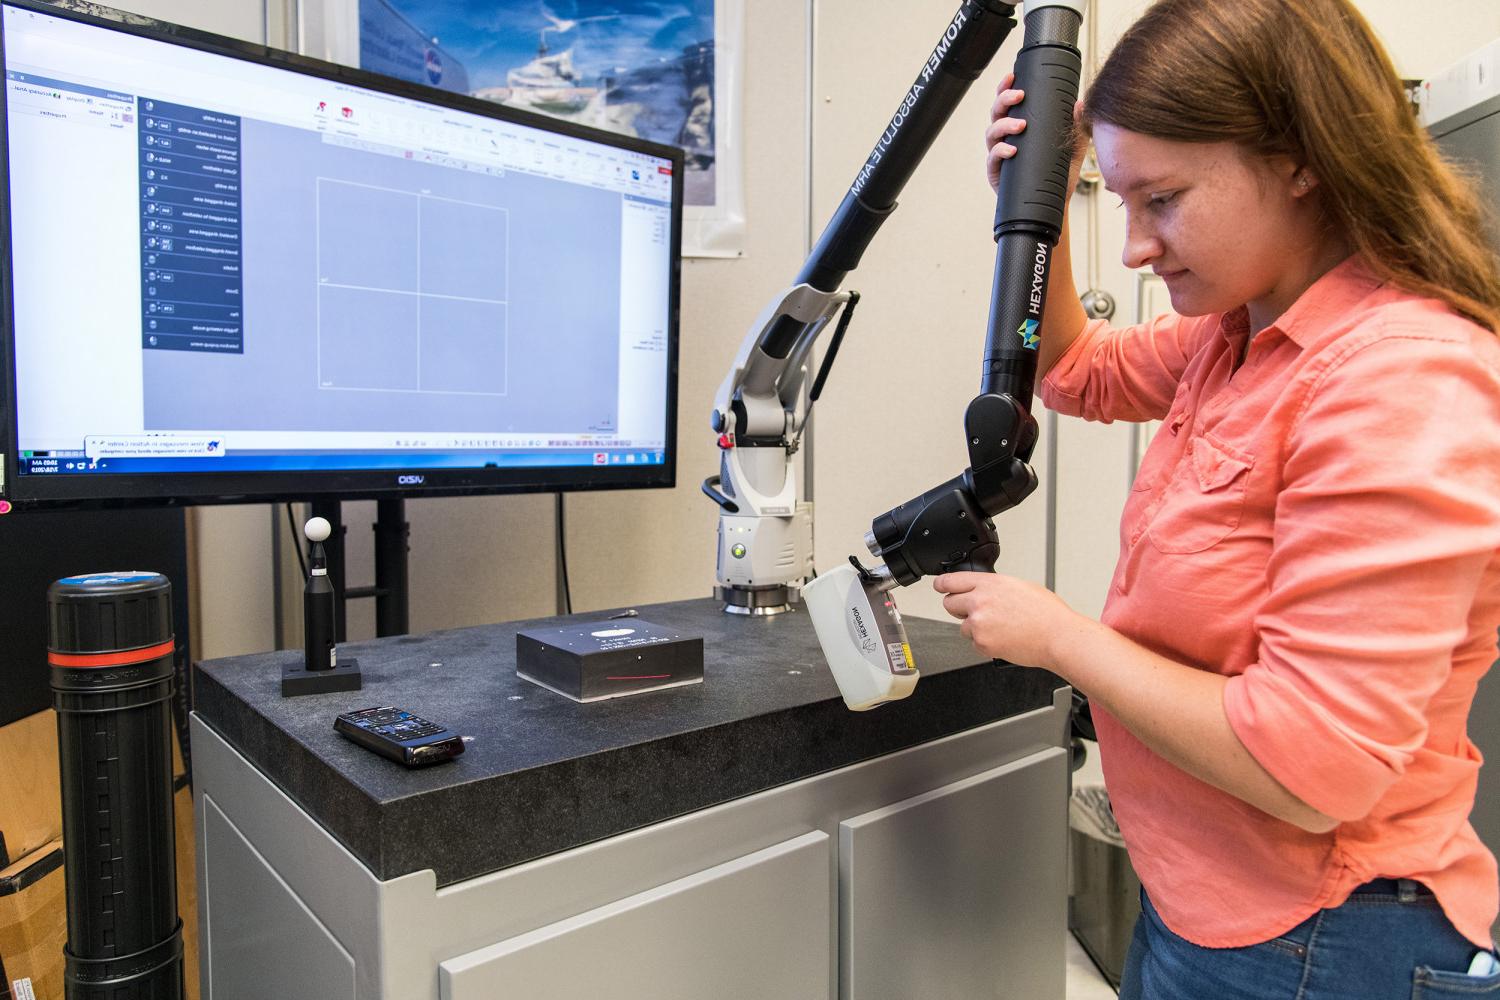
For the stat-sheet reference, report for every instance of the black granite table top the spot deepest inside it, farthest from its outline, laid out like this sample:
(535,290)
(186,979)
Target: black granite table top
(544,773)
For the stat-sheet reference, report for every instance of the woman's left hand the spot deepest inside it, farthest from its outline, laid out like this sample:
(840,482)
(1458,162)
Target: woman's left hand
(1006,618)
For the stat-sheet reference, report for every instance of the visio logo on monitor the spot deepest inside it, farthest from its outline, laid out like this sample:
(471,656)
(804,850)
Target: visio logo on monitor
(410,480)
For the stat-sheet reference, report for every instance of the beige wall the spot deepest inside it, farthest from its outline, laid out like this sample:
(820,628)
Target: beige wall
(1426,38)
(890,419)
(1423,39)
(238,18)
(889,424)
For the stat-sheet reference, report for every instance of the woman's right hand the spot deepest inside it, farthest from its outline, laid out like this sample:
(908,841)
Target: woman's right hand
(1002,126)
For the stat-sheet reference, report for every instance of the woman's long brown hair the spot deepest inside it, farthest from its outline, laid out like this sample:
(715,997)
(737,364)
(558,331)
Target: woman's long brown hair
(1308,79)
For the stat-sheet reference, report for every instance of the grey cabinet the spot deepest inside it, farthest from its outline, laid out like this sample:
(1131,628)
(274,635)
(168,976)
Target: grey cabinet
(953,893)
(935,871)
(255,916)
(754,927)
(1471,138)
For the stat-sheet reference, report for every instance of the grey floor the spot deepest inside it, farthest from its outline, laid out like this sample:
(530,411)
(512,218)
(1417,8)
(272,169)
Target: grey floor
(1084,981)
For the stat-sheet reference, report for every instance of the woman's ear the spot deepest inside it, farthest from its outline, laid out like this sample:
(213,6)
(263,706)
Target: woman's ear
(1303,181)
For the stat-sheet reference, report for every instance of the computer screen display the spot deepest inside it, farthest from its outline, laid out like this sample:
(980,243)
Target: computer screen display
(238,274)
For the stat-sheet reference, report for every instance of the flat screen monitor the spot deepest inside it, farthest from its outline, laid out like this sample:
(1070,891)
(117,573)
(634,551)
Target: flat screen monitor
(238,274)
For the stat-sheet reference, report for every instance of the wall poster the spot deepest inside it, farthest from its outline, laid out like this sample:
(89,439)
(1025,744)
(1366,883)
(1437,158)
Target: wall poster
(665,70)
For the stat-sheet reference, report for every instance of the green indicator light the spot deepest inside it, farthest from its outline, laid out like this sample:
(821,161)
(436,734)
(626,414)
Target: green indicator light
(738,551)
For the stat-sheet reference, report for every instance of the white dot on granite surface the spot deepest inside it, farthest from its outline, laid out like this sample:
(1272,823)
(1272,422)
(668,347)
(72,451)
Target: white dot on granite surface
(515,697)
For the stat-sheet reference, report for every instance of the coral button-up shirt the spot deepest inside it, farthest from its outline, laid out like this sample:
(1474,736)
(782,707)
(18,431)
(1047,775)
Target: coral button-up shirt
(1320,524)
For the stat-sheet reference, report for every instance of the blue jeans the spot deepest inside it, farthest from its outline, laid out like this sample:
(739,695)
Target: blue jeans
(1390,941)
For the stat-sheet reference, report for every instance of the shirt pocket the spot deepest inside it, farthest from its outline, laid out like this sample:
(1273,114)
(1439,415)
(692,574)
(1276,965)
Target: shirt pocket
(1204,501)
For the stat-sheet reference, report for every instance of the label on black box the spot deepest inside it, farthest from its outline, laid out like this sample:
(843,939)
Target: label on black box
(620,637)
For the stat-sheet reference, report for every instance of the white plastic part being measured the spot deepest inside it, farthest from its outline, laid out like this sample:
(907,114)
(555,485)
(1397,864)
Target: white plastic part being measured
(837,601)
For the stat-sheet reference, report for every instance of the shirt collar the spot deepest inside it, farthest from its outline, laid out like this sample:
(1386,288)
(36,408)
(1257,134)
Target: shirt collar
(1325,304)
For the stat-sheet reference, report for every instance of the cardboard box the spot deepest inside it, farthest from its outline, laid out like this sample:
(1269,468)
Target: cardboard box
(30,800)
(33,920)
(33,924)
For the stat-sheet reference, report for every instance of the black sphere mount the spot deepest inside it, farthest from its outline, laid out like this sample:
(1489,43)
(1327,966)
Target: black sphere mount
(319,671)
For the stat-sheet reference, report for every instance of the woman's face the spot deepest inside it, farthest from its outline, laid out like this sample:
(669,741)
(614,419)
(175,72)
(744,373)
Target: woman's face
(1222,229)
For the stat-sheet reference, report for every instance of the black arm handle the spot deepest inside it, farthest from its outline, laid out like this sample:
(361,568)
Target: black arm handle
(833,349)
(1033,190)
(710,490)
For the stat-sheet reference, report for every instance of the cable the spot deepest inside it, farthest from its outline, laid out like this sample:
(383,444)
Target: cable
(1093,71)
(291,522)
(562,559)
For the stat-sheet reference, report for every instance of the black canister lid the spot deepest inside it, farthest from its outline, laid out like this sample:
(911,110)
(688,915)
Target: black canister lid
(107,612)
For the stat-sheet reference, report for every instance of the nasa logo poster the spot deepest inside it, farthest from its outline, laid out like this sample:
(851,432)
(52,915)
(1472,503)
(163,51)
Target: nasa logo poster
(433,62)
(643,68)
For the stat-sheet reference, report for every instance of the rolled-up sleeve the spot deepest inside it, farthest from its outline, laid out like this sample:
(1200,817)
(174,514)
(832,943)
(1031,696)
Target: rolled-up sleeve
(1125,373)
(1388,515)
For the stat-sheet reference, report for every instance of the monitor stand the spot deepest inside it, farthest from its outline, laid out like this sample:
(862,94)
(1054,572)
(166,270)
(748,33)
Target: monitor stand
(390,591)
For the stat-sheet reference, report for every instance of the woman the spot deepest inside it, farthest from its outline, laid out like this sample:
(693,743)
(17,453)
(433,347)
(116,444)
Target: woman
(1308,587)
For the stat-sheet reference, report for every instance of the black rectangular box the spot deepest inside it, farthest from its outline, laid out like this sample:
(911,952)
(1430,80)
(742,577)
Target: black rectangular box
(595,660)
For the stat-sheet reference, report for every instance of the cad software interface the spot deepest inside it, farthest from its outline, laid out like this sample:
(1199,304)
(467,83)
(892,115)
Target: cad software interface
(219,265)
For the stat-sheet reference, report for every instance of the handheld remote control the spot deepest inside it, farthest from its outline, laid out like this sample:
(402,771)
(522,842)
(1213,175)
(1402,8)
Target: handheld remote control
(398,734)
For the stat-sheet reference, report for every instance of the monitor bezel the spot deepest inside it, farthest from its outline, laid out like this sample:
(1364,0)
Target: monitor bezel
(193,488)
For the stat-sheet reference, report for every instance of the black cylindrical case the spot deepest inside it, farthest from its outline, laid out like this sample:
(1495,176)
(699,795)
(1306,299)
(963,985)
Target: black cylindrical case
(110,650)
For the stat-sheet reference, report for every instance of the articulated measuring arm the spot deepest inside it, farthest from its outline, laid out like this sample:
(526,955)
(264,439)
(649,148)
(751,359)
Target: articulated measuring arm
(756,412)
(764,531)
(783,335)
(948,528)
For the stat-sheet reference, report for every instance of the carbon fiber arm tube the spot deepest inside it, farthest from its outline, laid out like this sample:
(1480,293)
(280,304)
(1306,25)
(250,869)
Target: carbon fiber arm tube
(967,45)
(948,527)
(1032,198)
